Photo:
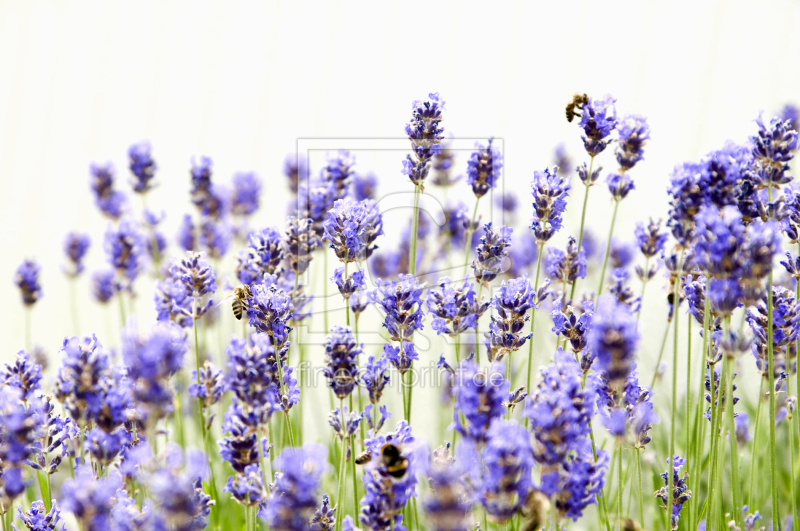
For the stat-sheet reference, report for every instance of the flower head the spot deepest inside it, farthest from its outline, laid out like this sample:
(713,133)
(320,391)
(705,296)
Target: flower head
(483,168)
(341,358)
(493,248)
(425,133)
(142,166)
(90,500)
(39,519)
(649,239)
(24,374)
(401,301)
(598,119)
(75,247)
(633,135)
(294,494)
(104,286)
(455,308)
(246,191)
(566,267)
(479,399)
(351,229)
(125,250)
(112,203)
(508,462)
(27,280)
(550,192)
(613,338)
(300,241)
(680,491)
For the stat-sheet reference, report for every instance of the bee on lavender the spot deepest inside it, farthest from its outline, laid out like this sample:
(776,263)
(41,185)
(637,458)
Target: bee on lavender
(577,102)
(239,296)
(392,458)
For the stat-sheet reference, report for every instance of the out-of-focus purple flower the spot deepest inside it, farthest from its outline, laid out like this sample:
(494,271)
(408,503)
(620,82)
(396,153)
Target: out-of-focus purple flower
(425,133)
(479,399)
(111,203)
(151,360)
(455,308)
(239,447)
(364,186)
(613,338)
(125,251)
(179,491)
(620,253)
(493,248)
(246,191)
(401,300)
(633,135)
(566,267)
(598,119)
(507,202)
(172,302)
(75,247)
(359,301)
(508,461)
(443,166)
(583,174)
(215,236)
(187,235)
(142,166)
(267,249)
(341,359)
(687,197)
(296,171)
(338,171)
(483,168)
(448,503)
(198,279)
(550,193)
(253,372)
(742,430)
(211,384)
(105,447)
(790,113)
(573,324)
(623,292)
(90,500)
(523,254)
(680,490)
(18,432)
(300,241)
(561,158)
(295,492)
(785,331)
(401,356)
(104,286)
(27,280)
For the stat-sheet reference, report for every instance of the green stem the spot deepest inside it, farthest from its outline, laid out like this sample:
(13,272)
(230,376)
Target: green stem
(533,319)
(608,249)
(699,425)
(588,185)
(675,304)
(325,288)
(620,485)
(468,236)
(776,517)
(353,472)
(412,261)
(736,514)
(477,334)
(756,448)
(347,301)
(688,384)
(641,491)
(661,353)
(644,285)
(342,473)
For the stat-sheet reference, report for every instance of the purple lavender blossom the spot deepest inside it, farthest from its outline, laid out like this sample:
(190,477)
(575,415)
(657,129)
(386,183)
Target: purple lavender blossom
(649,239)
(112,203)
(187,235)
(294,496)
(269,311)
(351,229)
(364,186)
(142,166)
(455,308)
(125,251)
(90,500)
(598,119)
(27,280)
(512,304)
(583,174)
(573,324)
(483,168)
(300,241)
(246,488)
(215,236)
(401,301)
(375,377)
(448,503)
(211,384)
(239,447)
(633,135)
(266,247)
(479,399)
(566,267)
(338,171)
(508,461)
(387,495)
(198,279)
(493,248)
(425,133)
(75,247)
(523,254)
(686,199)
(348,286)
(620,185)
(341,359)
(620,253)
(24,374)
(39,519)
(324,518)
(18,432)
(550,193)
(773,147)
(680,491)
(104,286)
(246,191)
(613,338)
(296,171)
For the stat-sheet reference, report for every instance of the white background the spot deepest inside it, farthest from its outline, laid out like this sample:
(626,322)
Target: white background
(79,82)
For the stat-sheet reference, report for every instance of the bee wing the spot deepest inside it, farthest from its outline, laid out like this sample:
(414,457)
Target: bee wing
(229,297)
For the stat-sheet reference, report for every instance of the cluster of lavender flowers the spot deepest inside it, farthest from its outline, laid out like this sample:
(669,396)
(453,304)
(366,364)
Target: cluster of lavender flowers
(123,437)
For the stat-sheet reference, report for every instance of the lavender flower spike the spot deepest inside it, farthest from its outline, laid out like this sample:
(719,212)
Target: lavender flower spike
(75,247)
(341,353)
(483,168)
(613,338)
(425,133)
(550,192)
(493,248)
(27,280)
(142,166)
(508,459)
(680,491)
